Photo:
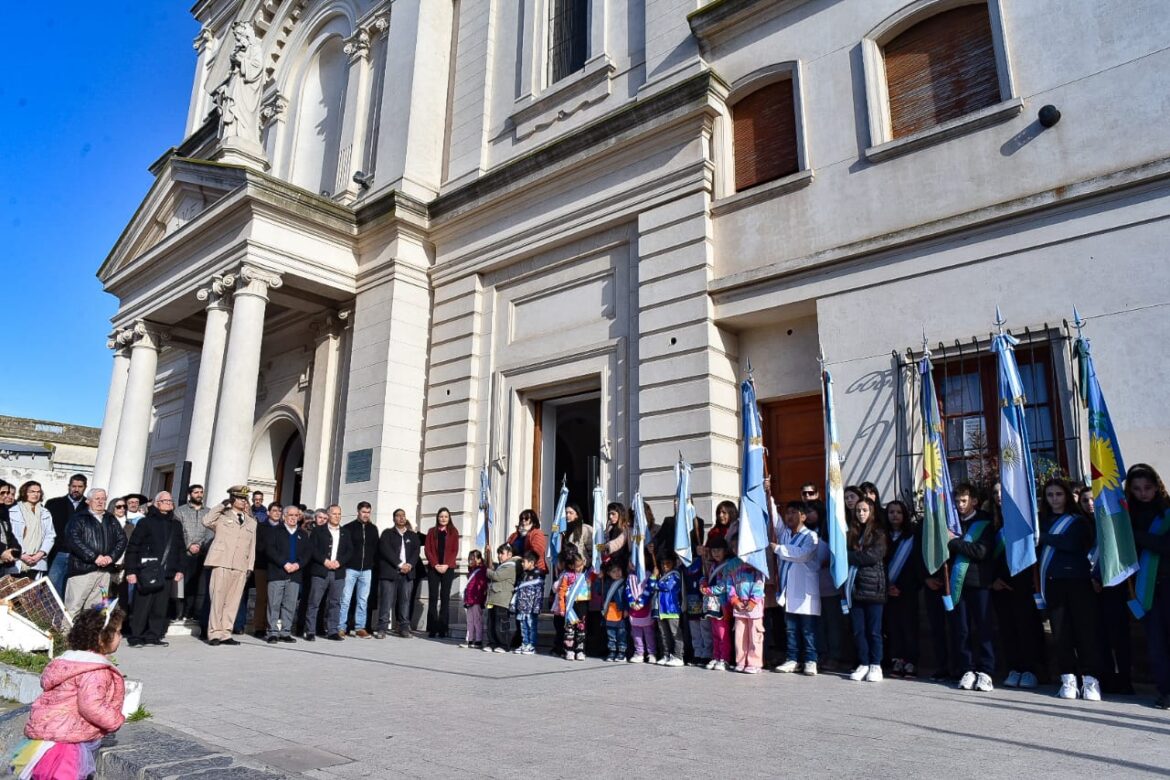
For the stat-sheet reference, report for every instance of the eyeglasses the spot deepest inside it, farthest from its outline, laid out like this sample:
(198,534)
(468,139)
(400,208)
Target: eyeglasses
(808,492)
(119,506)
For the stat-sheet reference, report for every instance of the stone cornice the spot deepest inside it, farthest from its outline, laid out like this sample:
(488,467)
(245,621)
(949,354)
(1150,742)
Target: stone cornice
(710,22)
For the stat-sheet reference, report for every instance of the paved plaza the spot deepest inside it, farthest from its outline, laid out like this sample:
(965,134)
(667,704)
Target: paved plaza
(418,708)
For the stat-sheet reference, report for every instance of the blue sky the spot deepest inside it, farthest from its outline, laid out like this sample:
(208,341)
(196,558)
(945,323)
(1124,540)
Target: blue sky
(93,93)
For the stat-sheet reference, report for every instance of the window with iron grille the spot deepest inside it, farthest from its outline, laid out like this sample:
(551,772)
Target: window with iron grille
(764,130)
(940,69)
(969,404)
(568,40)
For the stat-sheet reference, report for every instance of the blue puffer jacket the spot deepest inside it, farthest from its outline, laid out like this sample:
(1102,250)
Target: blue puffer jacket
(668,602)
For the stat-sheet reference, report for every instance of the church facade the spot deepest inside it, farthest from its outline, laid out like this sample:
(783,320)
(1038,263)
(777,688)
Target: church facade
(403,239)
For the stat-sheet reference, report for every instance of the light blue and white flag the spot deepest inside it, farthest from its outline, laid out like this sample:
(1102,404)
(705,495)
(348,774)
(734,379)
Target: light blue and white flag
(559,524)
(834,492)
(1016,475)
(486,516)
(599,521)
(638,534)
(684,515)
(752,545)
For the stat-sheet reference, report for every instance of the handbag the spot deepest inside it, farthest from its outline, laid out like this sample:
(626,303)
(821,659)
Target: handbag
(152,576)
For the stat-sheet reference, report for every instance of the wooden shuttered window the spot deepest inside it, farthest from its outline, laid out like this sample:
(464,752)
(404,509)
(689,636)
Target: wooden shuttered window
(941,68)
(764,129)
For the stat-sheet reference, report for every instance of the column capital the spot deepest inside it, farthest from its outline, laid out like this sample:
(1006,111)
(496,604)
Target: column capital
(273,109)
(357,46)
(217,290)
(330,323)
(140,334)
(253,280)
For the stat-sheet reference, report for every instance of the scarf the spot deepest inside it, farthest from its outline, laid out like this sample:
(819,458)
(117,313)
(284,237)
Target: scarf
(34,531)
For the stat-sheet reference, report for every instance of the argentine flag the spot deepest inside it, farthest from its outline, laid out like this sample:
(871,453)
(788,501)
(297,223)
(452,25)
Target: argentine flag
(753,501)
(1016,476)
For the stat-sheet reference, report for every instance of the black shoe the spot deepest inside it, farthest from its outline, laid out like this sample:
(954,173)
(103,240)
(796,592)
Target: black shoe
(134,642)
(310,638)
(286,639)
(334,637)
(215,642)
(159,643)
(1162,702)
(271,640)
(230,641)
(260,634)
(379,635)
(236,633)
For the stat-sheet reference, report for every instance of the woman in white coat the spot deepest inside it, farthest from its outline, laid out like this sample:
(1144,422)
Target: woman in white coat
(799,588)
(33,526)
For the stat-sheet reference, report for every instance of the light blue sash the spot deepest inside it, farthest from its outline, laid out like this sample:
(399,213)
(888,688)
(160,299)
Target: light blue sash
(901,555)
(1058,528)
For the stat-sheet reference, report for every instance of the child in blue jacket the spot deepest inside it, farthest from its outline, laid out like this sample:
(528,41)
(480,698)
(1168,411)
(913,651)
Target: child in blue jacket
(668,609)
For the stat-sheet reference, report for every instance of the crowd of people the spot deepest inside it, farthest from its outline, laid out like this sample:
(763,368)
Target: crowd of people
(313,575)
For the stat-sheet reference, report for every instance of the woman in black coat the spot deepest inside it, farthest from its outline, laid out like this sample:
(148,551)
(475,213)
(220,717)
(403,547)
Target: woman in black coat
(867,542)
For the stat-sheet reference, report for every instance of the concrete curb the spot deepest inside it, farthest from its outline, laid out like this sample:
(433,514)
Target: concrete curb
(147,751)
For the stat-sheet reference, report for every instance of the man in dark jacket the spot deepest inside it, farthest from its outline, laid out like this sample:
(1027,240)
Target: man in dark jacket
(155,545)
(398,550)
(330,549)
(359,568)
(95,543)
(62,508)
(287,551)
(974,553)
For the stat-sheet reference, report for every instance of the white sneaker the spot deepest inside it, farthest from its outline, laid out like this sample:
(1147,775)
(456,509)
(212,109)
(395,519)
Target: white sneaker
(967,681)
(859,673)
(810,668)
(580,656)
(875,673)
(487,649)
(712,664)
(1028,680)
(673,661)
(530,650)
(1068,686)
(983,683)
(519,650)
(464,645)
(721,666)
(657,661)
(788,667)
(499,650)
(636,659)
(1091,690)
(1012,680)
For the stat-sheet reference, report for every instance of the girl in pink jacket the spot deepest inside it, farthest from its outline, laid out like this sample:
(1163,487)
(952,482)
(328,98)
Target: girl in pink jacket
(81,703)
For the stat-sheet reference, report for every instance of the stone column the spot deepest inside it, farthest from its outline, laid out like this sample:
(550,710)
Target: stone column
(318,469)
(129,458)
(355,122)
(113,417)
(231,444)
(215,333)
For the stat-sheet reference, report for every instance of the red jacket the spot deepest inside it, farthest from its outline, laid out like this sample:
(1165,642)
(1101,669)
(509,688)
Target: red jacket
(82,699)
(450,554)
(535,541)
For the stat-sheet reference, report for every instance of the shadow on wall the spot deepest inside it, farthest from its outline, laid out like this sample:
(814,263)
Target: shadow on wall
(869,454)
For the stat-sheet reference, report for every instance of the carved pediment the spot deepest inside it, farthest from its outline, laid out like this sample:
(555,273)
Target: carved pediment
(184,190)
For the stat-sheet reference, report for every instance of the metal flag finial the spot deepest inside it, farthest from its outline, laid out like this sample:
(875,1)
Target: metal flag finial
(821,356)
(1078,322)
(999,320)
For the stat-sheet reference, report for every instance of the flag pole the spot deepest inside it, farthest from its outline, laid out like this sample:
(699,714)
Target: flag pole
(946,567)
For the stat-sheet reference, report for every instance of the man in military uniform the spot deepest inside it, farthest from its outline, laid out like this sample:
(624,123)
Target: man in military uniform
(230,558)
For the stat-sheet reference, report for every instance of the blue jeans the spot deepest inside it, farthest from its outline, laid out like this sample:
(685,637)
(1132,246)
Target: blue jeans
(362,580)
(801,630)
(867,633)
(527,629)
(618,637)
(59,572)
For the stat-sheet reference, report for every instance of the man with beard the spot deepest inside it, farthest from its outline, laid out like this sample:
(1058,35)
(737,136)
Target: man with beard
(230,558)
(62,508)
(196,539)
(152,561)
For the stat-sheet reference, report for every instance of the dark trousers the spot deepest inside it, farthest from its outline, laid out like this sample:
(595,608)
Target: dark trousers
(329,588)
(1157,625)
(617,636)
(801,634)
(971,624)
(1116,646)
(558,647)
(595,640)
(775,634)
(438,601)
(1072,609)
(867,633)
(189,606)
(669,636)
(901,619)
(148,617)
(940,645)
(1021,625)
(394,595)
(500,627)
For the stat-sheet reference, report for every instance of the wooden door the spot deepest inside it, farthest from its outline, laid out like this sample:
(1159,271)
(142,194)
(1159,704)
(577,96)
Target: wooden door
(794,435)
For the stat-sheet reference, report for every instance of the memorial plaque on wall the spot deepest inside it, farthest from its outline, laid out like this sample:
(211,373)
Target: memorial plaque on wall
(358,465)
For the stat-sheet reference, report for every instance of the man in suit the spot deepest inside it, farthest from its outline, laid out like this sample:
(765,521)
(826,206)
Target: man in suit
(287,552)
(62,508)
(398,550)
(331,548)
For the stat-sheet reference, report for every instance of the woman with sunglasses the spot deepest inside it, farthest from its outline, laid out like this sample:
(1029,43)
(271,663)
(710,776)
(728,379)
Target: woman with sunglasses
(11,551)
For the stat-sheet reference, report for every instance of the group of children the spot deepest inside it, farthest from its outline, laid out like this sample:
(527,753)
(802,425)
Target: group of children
(721,613)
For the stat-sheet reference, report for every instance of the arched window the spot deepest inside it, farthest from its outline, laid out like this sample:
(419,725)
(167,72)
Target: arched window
(764,130)
(940,69)
(319,114)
